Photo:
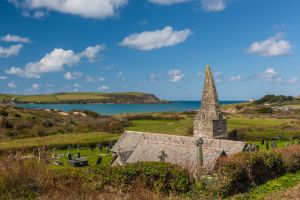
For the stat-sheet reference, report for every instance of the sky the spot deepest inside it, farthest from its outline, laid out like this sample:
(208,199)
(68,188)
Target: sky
(154,46)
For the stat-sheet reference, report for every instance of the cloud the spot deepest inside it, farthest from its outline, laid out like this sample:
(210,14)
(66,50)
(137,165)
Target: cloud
(54,61)
(15,38)
(76,85)
(72,75)
(121,76)
(175,75)
(103,87)
(98,9)
(89,78)
(10,51)
(92,52)
(214,5)
(35,86)
(149,40)
(12,84)
(293,80)
(154,77)
(273,46)
(167,2)
(235,78)
(3,77)
(271,76)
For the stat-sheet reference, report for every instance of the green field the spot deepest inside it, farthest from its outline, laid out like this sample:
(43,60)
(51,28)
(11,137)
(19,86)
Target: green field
(58,140)
(180,127)
(101,97)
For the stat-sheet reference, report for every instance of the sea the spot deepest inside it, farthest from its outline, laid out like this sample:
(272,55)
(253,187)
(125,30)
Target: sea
(111,109)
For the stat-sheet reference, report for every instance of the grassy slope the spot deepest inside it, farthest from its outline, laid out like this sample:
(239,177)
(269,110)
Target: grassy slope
(272,189)
(52,98)
(180,127)
(57,140)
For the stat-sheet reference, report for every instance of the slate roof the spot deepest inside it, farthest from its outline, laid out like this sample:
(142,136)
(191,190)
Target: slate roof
(181,150)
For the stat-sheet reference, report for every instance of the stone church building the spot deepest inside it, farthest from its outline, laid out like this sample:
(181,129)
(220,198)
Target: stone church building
(209,140)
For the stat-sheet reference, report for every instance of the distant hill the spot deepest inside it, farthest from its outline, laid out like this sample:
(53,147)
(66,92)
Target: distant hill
(276,99)
(84,98)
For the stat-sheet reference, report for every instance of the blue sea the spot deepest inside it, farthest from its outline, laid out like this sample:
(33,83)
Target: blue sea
(110,109)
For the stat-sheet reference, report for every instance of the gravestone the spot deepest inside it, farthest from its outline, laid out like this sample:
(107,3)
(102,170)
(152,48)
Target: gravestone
(99,160)
(69,156)
(78,155)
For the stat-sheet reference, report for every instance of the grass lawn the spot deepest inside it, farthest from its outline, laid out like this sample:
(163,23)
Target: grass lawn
(58,140)
(174,127)
(274,186)
(89,154)
(239,121)
(180,127)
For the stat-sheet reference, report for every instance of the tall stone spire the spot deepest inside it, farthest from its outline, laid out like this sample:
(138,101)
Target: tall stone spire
(210,122)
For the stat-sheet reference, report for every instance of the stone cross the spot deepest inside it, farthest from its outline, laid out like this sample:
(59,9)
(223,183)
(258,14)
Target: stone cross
(163,156)
(199,144)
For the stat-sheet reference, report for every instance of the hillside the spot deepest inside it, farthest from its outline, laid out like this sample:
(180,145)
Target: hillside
(84,98)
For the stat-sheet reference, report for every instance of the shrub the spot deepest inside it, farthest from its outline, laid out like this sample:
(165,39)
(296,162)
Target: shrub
(265,110)
(291,157)
(238,172)
(162,177)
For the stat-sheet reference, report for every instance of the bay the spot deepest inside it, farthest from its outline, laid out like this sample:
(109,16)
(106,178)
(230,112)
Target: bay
(110,109)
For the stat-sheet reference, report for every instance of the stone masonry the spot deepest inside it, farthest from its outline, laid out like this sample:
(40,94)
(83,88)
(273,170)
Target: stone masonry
(210,121)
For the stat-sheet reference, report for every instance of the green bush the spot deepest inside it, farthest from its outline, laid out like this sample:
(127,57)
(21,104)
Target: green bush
(237,173)
(159,176)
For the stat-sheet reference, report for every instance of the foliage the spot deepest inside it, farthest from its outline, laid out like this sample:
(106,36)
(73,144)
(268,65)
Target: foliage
(158,176)
(274,99)
(237,173)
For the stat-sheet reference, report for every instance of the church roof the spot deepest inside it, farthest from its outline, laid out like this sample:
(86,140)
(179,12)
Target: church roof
(180,150)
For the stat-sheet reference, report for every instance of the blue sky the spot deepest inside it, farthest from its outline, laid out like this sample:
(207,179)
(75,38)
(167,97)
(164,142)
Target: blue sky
(156,46)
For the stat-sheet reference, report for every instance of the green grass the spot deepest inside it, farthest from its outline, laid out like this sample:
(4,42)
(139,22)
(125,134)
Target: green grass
(179,127)
(57,140)
(174,127)
(38,98)
(279,143)
(70,97)
(280,184)
(238,121)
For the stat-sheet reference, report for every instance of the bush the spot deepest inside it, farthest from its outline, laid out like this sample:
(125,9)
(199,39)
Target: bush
(159,176)
(236,173)
(265,110)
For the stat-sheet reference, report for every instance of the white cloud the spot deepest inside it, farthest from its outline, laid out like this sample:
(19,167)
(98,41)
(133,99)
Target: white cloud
(149,40)
(214,5)
(121,76)
(72,75)
(293,80)
(92,52)
(154,77)
(103,87)
(51,62)
(76,85)
(272,76)
(175,75)
(54,61)
(3,77)
(89,78)
(10,51)
(235,78)
(85,8)
(167,2)
(273,46)
(12,84)
(15,38)
(35,86)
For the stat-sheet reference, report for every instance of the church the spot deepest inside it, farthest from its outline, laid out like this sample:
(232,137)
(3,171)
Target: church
(209,140)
